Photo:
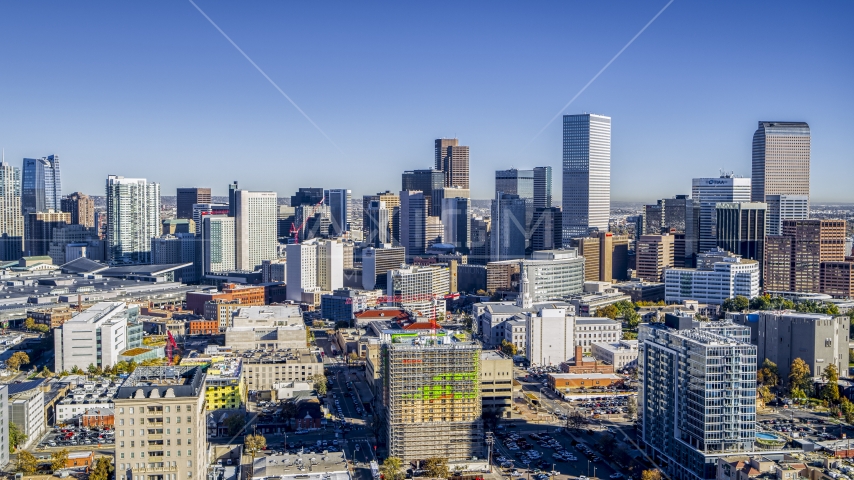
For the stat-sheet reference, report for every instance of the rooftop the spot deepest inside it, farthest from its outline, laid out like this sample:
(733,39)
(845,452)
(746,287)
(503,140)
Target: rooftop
(162,382)
(309,466)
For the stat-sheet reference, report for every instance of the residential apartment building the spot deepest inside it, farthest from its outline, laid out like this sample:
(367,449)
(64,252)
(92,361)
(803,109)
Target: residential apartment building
(81,207)
(27,411)
(133,219)
(160,424)
(255,235)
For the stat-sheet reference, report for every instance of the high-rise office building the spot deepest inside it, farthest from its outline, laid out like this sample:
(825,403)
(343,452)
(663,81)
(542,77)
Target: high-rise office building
(480,240)
(697,395)
(793,259)
(81,207)
(420,374)
(200,210)
(588,247)
(542,187)
(176,248)
(741,229)
(11,220)
(711,191)
(586,174)
(255,228)
(330,265)
(785,207)
(173,445)
(307,196)
(376,262)
(426,182)
(218,252)
(39,227)
(187,197)
(41,184)
(301,269)
(232,190)
(338,201)
(679,216)
(456,219)
(414,210)
(554,274)
(392,203)
(509,230)
(653,254)
(546,229)
(521,183)
(376,224)
(781,160)
(133,218)
(452,159)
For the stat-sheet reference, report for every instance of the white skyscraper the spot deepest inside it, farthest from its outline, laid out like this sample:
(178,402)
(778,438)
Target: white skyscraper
(219,252)
(133,218)
(301,269)
(255,228)
(330,265)
(785,207)
(586,174)
(11,220)
(711,191)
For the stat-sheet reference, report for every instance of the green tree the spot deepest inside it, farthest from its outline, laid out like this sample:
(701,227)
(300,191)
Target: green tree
(765,394)
(607,442)
(609,311)
(391,469)
(46,373)
(17,437)
(59,459)
(319,383)
(27,463)
(102,469)
(762,302)
(800,376)
(846,408)
(75,370)
(631,407)
(798,394)
(16,360)
(41,328)
(29,323)
(576,420)
(235,423)
(508,348)
(436,467)
(627,335)
(633,319)
(830,391)
(768,373)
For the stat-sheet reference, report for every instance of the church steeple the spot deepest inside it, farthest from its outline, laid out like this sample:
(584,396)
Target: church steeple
(524,299)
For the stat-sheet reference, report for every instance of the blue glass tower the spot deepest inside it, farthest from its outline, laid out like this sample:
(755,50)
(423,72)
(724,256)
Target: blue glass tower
(41,185)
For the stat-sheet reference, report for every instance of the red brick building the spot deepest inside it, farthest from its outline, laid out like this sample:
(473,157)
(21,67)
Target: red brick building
(582,364)
(98,417)
(203,327)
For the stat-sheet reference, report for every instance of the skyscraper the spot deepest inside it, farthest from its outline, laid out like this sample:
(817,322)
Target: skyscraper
(255,228)
(456,219)
(586,174)
(218,252)
(711,191)
(521,183)
(452,160)
(785,207)
(187,197)
(413,221)
(741,229)
(81,207)
(376,223)
(781,160)
(11,220)
(546,229)
(133,218)
(39,227)
(542,187)
(793,259)
(41,184)
(338,201)
(425,181)
(232,190)
(392,203)
(509,231)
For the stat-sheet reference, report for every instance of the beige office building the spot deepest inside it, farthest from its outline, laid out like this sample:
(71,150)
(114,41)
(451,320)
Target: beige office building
(793,260)
(160,425)
(653,253)
(452,159)
(781,160)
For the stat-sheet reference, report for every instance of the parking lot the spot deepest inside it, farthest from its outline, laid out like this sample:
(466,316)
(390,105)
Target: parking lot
(77,436)
(544,454)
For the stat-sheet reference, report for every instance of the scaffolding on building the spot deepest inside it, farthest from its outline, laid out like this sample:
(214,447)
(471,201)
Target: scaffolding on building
(433,400)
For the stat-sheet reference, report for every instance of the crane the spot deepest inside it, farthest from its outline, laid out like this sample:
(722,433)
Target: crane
(171,346)
(295,230)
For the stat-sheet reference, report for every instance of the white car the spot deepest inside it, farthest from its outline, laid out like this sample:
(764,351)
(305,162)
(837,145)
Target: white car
(617,475)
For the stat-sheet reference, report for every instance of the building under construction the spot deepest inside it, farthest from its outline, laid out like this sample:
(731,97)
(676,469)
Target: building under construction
(431,398)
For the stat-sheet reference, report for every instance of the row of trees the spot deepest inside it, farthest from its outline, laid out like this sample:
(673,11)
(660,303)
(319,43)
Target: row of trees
(767,302)
(435,467)
(800,385)
(622,309)
(28,464)
(32,326)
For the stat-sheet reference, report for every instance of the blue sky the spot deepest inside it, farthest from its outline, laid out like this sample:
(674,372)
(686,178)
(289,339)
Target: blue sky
(151,89)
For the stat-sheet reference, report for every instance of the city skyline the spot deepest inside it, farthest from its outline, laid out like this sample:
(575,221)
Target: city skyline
(156,111)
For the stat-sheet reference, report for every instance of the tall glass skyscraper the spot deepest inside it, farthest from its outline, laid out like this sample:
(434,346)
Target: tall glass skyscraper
(781,160)
(542,187)
(586,174)
(133,219)
(41,185)
(711,191)
(11,220)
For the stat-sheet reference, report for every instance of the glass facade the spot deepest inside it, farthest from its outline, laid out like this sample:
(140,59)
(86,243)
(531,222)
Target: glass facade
(41,185)
(586,174)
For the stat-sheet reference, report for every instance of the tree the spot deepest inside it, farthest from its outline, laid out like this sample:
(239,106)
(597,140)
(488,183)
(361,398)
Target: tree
(768,374)
(391,467)
(576,420)
(632,407)
(17,437)
(800,376)
(59,459)
(651,475)
(797,394)
(29,323)
(102,469)
(480,293)
(609,311)
(92,369)
(27,463)
(254,443)
(508,348)
(633,319)
(46,373)
(75,370)
(765,394)
(16,360)
(737,304)
(289,410)
(436,467)
(830,391)
(235,423)
(319,383)
(846,408)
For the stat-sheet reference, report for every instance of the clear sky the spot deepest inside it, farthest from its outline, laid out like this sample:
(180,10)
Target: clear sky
(151,89)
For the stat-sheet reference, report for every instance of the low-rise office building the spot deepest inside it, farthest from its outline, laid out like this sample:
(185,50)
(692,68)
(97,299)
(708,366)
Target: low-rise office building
(263,370)
(496,383)
(621,354)
(277,327)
